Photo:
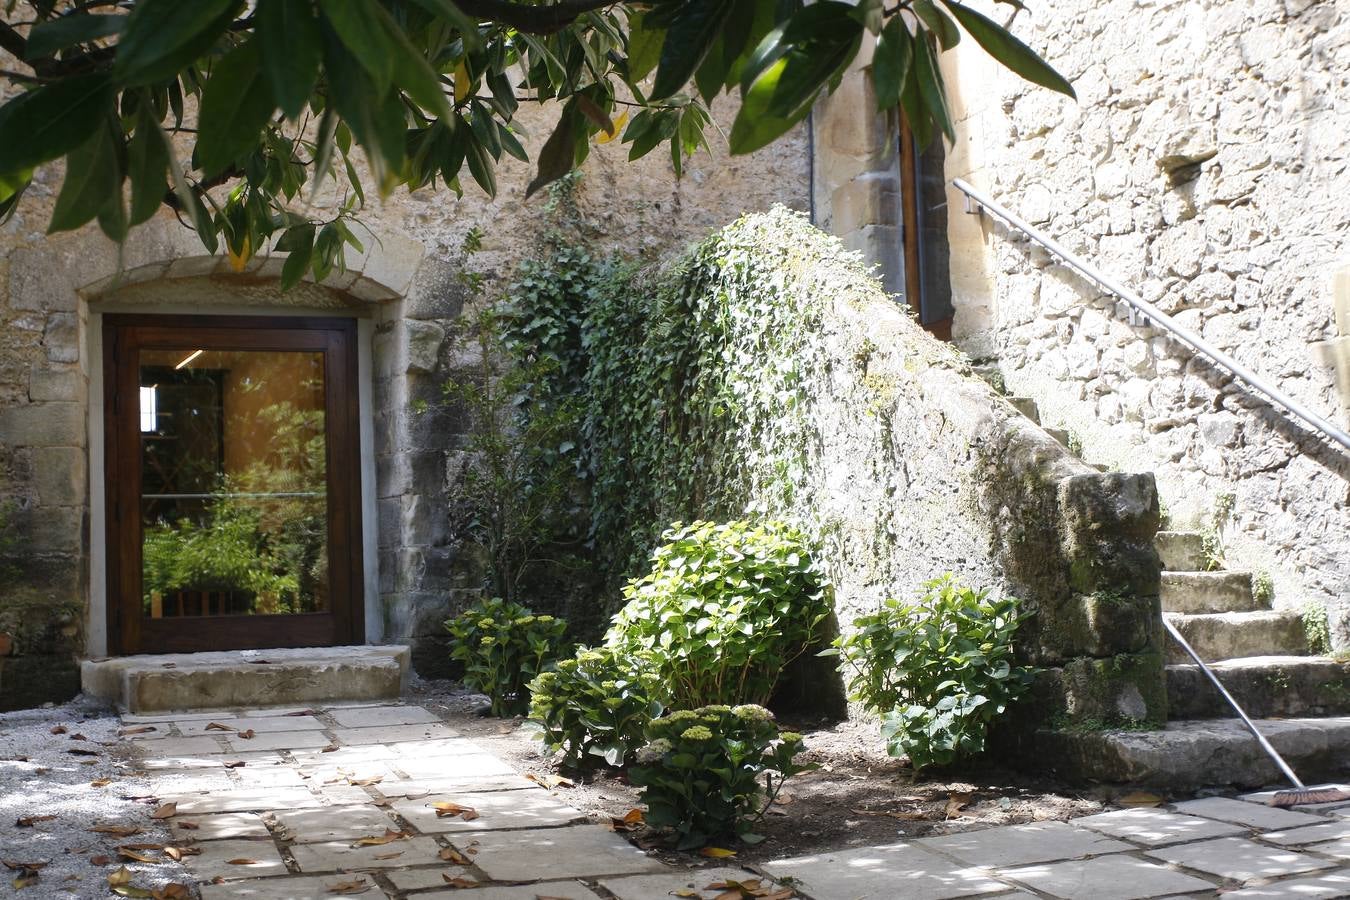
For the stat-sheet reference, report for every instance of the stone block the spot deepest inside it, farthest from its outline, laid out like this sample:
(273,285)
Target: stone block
(49,424)
(1209,592)
(1239,859)
(1156,827)
(1108,524)
(48,529)
(392,261)
(1340,301)
(1122,689)
(1104,624)
(61,337)
(1218,636)
(61,476)
(63,384)
(1118,877)
(424,344)
(29,681)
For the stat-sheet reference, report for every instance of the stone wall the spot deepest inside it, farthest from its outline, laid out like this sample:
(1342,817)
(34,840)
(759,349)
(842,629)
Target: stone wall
(1204,165)
(406,283)
(846,418)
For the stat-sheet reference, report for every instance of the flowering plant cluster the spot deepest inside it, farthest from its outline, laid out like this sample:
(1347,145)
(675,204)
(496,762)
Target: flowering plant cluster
(712,772)
(596,706)
(503,646)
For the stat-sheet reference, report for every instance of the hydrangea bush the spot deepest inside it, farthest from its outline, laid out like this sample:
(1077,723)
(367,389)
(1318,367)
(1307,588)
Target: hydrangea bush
(596,706)
(711,772)
(503,646)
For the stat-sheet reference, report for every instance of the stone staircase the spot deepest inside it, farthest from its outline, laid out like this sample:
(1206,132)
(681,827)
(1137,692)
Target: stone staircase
(1262,656)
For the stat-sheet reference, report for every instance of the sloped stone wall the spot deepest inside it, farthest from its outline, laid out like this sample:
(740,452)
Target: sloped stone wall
(1205,165)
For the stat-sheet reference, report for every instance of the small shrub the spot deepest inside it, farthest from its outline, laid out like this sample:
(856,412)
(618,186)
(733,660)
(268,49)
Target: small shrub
(503,646)
(701,772)
(937,671)
(596,706)
(1317,627)
(724,609)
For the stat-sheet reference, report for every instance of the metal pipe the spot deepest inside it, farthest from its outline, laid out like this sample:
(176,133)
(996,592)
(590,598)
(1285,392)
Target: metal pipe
(1157,316)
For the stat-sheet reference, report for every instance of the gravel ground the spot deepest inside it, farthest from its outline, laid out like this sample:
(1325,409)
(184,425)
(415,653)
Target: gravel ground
(63,771)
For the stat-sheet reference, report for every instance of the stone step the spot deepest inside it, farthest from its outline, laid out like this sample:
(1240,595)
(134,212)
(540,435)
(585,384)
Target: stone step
(229,679)
(1196,753)
(1182,551)
(1027,407)
(1236,634)
(1263,685)
(1209,592)
(1059,434)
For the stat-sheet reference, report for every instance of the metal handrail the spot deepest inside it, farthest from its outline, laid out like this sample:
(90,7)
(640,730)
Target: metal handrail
(1154,315)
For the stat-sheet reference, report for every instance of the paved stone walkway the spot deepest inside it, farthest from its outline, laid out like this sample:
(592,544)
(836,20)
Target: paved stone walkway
(371,800)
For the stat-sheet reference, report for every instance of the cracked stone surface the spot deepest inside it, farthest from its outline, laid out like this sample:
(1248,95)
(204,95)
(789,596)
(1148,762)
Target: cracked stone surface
(320,799)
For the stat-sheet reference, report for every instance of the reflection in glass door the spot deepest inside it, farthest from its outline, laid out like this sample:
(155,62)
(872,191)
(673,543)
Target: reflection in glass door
(241,536)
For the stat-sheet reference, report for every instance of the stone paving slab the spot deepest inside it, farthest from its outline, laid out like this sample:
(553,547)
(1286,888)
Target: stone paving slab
(415,788)
(343,756)
(1239,859)
(1253,815)
(392,734)
(470,765)
(372,716)
(1016,845)
(663,887)
(250,800)
(276,740)
(424,879)
(875,873)
(1156,827)
(439,748)
(574,851)
(267,725)
(334,856)
(1114,877)
(1338,849)
(201,745)
(235,859)
(1317,887)
(1337,830)
(564,890)
(500,810)
(298,887)
(218,826)
(334,823)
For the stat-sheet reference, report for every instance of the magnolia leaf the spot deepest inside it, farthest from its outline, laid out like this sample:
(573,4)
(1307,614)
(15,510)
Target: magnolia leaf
(716,853)
(162,35)
(355,886)
(459,882)
(236,103)
(890,68)
(451,855)
(389,836)
(558,154)
(690,35)
(165,810)
(1011,52)
(938,22)
(291,51)
(118,830)
(46,38)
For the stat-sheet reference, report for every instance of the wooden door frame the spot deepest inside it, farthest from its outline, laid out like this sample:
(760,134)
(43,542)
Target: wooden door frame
(911,255)
(126,333)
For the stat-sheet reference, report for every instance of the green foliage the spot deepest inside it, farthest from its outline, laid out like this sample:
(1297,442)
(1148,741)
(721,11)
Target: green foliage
(724,609)
(503,646)
(595,707)
(267,96)
(701,771)
(1263,588)
(938,670)
(1317,627)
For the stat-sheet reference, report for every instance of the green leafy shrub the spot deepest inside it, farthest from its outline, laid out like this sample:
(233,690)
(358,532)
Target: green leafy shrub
(724,609)
(503,646)
(701,771)
(596,706)
(937,670)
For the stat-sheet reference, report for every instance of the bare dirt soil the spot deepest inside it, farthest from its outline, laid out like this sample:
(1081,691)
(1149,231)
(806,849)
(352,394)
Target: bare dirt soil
(858,796)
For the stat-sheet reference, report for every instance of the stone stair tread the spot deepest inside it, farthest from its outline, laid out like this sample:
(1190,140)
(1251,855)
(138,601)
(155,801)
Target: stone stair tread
(1027,407)
(1181,550)
(1263,685)
(1209,592)
(1231,635)
(1193,753)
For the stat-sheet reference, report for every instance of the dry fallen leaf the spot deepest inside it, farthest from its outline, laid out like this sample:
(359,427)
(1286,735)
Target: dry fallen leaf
(25,878)
(58,729)
(331,748)
(143,729)
(173,891)
(246,734)
(633,817)
(216,726)
(388,837)
(233,764)
(118,830)
(78,737)
(1140,799)
(20,866)
(100,782)
(128,890)
(300,712)
(688,892)
(80,751)
(394,855)
(458,882)
(242,861)
(549,781)
(100,860)
(446,808)
(365,782)
(121,876)
(451,855)
(957,801)
(356,886)
(30,821)
(165,811)
(136,856)
(716,853)
(188,826)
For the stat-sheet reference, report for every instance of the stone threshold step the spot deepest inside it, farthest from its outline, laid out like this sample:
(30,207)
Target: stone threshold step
(1232,635)
(1191,754)
(1209,592)
(228,679)
(1264,685)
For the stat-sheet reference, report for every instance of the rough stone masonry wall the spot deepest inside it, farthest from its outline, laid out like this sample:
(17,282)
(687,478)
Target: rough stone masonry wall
(1205,165)
(912,466)
(405,282)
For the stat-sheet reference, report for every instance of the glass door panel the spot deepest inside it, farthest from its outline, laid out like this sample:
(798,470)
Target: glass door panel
(233,499)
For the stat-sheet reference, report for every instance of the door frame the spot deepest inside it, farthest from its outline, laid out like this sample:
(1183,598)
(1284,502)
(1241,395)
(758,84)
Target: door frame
(336,337)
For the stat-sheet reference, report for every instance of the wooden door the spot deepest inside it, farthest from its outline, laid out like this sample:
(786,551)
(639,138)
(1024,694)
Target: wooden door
(233,483)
